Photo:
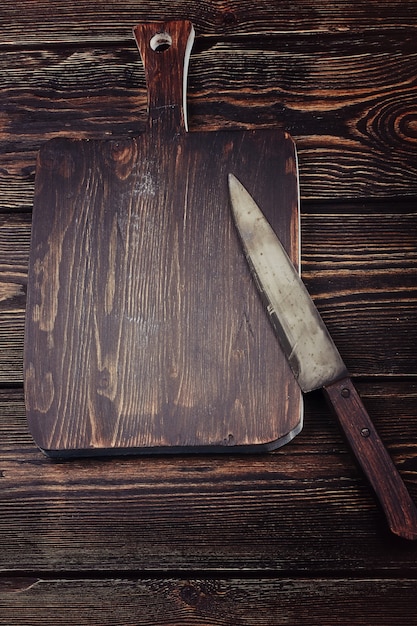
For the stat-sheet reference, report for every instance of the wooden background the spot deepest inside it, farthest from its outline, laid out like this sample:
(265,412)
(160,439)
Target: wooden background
(293,537)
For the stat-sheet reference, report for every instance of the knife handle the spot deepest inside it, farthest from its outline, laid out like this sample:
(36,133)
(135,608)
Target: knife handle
(399,508)
(165,49)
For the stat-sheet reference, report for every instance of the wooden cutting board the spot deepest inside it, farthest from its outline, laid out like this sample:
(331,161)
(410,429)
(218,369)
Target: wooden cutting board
(144,330)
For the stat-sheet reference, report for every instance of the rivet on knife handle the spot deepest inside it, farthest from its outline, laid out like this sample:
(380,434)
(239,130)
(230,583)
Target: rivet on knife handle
(313,357)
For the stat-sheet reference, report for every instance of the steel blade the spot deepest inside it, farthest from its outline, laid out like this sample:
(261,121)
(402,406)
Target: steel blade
(311,352)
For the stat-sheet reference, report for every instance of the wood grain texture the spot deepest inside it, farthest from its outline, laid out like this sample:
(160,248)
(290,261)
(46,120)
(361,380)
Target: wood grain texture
(141,307)
(143,330)
(214,17)
(221,602)
(303,508)
(293,536)
(359,262)
(354,123)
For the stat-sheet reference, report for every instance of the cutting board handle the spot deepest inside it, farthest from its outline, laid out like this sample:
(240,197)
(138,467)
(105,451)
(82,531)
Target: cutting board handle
(165,49)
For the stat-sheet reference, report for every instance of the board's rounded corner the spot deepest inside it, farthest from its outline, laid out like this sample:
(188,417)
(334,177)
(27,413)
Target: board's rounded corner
(294,429)
(282,441)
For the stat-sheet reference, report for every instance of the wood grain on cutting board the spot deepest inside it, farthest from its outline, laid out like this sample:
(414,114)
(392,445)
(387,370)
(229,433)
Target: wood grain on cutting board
(144,331)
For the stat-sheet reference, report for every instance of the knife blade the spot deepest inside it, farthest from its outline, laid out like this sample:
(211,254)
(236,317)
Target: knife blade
(314,358)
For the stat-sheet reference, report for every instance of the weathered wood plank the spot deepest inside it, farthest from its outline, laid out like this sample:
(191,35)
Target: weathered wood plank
(11,341)
(207,512)
(14,255)
(349,104)
(221,601)
(359,265)
(320,429)
(28,23)
(341,78)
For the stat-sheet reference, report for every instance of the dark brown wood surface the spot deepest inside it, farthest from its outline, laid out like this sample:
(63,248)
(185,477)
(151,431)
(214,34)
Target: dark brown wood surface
(291,537)
(144,332)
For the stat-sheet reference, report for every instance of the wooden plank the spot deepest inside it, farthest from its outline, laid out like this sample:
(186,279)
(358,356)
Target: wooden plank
(221,601)
(354,268)
(341,78)
(25,22)
(11,340)
(325,433)
(347,101)
(207,512)
(14,256)
(350,113)
(359,264)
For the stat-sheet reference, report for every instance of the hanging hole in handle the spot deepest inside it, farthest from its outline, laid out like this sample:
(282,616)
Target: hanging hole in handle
(161,42)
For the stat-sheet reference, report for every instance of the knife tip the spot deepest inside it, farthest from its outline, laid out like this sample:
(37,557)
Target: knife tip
(235,186)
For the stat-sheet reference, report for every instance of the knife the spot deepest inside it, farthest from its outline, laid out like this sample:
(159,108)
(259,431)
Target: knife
(314,358)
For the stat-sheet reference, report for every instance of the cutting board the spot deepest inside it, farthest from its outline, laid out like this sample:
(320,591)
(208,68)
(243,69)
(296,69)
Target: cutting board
(144,330)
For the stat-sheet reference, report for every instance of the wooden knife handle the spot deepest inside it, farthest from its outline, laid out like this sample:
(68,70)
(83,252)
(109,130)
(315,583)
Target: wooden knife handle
(400,510)
(165,48)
